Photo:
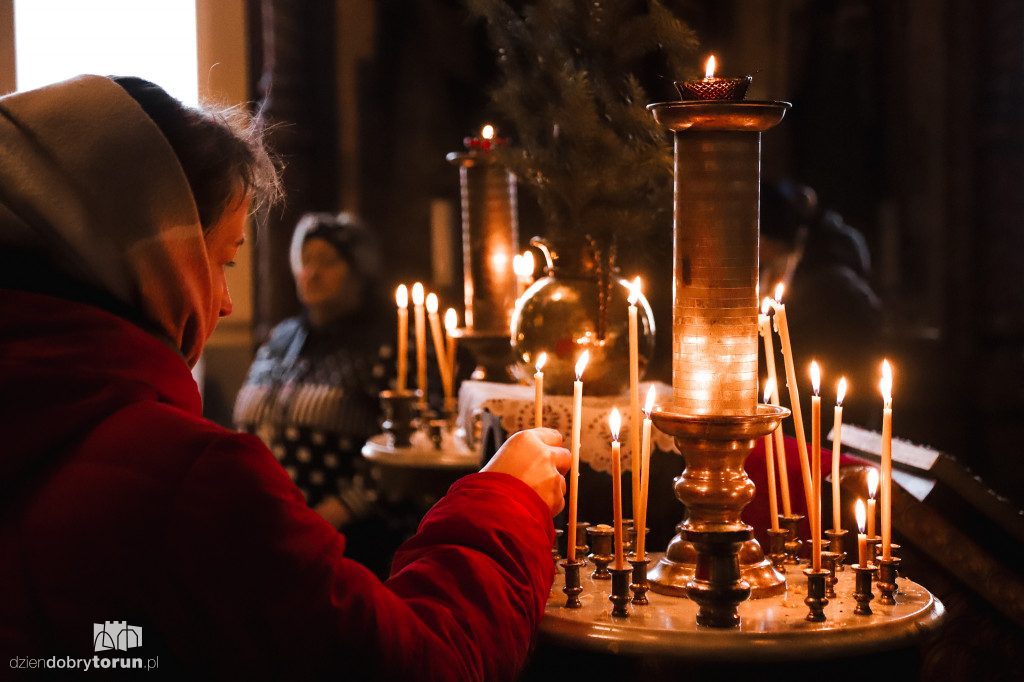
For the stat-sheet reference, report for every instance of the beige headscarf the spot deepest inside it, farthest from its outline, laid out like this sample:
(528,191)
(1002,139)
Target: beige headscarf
(88,181)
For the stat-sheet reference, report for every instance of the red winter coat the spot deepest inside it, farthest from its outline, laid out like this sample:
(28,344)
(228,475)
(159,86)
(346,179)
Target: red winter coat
(120,502)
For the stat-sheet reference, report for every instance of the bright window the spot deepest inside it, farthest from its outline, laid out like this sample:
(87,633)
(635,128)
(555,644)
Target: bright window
(153,39)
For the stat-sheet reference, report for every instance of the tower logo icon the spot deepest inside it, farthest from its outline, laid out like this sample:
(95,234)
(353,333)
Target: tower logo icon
(116,635)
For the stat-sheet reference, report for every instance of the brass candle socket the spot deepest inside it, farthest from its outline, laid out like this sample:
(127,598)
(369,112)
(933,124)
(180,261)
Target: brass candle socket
(777,548)
(399,416)
(639,584)
(793,542)
(601,538)
(715,487)
(630,544)
(620,591)
(862,588)
(572,588)
(816,600)
(581,541)
(887,571)
(714,88)
(833,562)
(837,543)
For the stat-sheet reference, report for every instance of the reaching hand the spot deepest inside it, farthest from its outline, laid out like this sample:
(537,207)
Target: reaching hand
(537,458)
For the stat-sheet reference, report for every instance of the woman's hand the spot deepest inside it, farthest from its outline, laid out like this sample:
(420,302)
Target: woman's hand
(536,457)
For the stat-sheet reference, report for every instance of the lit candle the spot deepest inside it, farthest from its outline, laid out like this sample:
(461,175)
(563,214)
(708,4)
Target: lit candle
(451,323)
(782,327)
(538,391)
(816,460)
(634,396)
(872,489)
(773,506)
(862,539)
(837,444)
(645,476)
(712,88)
(886,387)
(764,326)
(517,268)
(442,355)
(402,300)
(421,341)
(574,473)
(614,423)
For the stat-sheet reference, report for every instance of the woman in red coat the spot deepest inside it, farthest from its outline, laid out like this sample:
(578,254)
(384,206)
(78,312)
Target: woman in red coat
(133,531)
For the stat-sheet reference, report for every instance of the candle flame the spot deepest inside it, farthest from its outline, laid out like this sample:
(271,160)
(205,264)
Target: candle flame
(432,303)
(649,404)
(841,392)
(615,423)
(581,364)
(417,294)
(541,359)
(709,69)
(487,132)
(815,377)
(885,385)
(517,265)
(872,483)
(862,515)
(529,264)
(451,321)
(769,389)
(765,305)
(634,291)
(402,296)
(780,289)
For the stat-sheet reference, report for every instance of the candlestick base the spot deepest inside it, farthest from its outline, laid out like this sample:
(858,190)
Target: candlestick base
(837,543)
(715,488)
(862,588)
(639,584)
(893,549)
(620,591)
(816,600)
(399,416)
(716,585)
(777,548)
(601,539)
(833,560)
(572,588)
(793,543)
(887,571)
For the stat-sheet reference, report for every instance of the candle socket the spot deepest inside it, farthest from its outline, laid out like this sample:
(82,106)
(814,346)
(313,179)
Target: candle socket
(572,588)
(837,544)
(581,541)
(555,549)
(777,548)
(620,591)
(716,585)
(862,588)
(399,416)
(436,429)
(816,600)
(793,543)
(833,563)
(601,538)
(630,545)
(893,548)
(874,547)
(639,584)
(887,571)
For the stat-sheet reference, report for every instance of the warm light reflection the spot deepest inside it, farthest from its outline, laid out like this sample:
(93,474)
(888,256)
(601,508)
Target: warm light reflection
(765,305)
(417,294)
(885,385)
(499,261)
(709,69)
(862,515)
(780,289)
(529,264)
(517,265)
(451,321)
(615,423)
(872,483)
(487,132)
(815,377)
(841,392)
(402,296)
(769,389)
(431,303)
(649,404)
(634,291)
(541,359)
(581,364)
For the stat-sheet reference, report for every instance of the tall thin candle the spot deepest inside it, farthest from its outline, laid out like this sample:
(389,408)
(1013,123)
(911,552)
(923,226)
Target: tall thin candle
(615,423)
(439,349)
(451,324)
(538,391)
(402,300)
(773,505)
(782,327)
(634,395)
(862,539)
(872,491)
(886,387)
(816,466)
(645,477)
(837,445)
(421,341)
(764,326)
(574,472)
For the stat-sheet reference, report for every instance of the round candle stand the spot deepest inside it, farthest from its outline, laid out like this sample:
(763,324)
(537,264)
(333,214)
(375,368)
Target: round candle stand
(777,548)
(638,583)
(620,591)
(793,542)
(601,537)
(816,600)
(887,571)
(715,488)
(862,588)
(572,587)
(833,562)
